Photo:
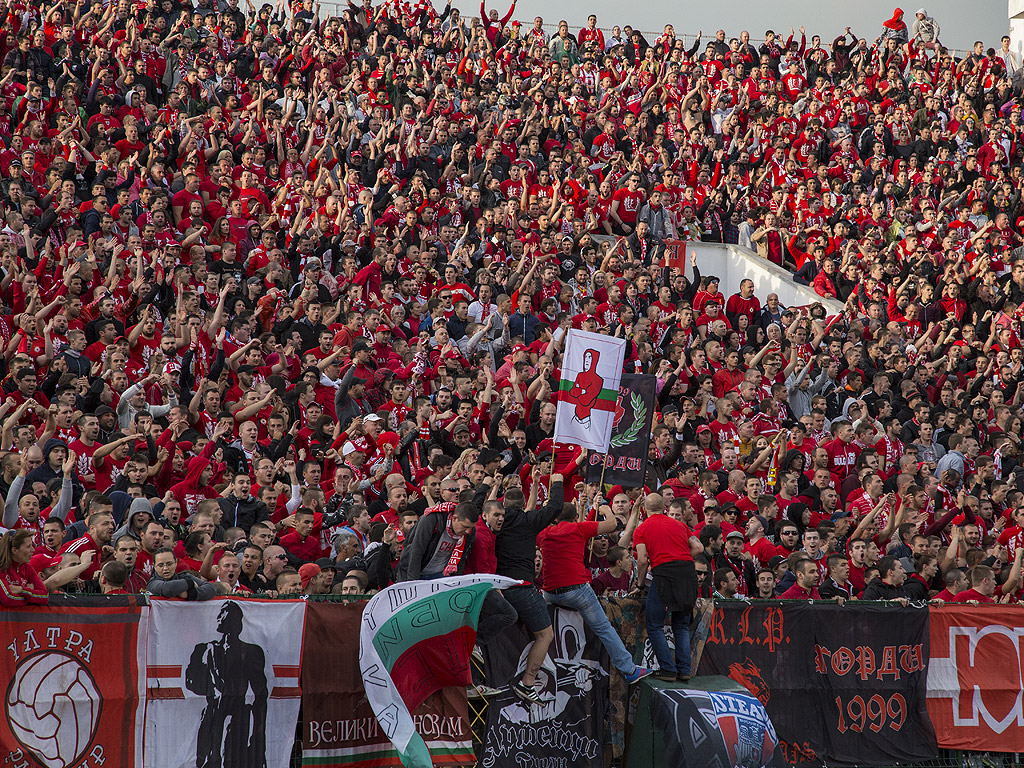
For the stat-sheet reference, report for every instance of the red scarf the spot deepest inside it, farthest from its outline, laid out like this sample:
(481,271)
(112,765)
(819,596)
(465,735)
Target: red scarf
(460,545)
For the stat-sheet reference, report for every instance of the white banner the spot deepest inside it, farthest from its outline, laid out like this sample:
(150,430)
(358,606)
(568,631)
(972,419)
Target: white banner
(589,388)
(223,683)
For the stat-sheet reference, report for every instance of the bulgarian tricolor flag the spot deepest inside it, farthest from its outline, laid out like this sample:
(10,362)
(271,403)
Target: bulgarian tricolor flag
(416,638)
(589,389)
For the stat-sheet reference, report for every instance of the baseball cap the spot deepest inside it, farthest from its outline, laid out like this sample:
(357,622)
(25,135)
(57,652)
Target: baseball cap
(703,428)
(775,561)
(41,562)
(372,417)
(325,562)
(103,410)
(308,572)
(360,345)
(734,535)
(348,449)
(461,428)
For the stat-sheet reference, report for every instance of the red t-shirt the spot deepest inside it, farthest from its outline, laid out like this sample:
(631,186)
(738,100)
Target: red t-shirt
(666,539)
(841,457)
(629,204)
(563,547)
(972,594)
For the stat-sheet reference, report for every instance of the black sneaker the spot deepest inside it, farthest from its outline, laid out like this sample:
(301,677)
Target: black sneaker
(526,692)
(665,677)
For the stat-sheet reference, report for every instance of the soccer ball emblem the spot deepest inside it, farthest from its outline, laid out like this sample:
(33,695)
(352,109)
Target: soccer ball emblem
(53,708)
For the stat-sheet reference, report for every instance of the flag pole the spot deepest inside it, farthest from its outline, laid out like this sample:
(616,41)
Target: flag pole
(600,491)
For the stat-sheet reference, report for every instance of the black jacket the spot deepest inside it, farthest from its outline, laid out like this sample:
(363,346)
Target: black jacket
(879,590)
(242,513)
(516,543)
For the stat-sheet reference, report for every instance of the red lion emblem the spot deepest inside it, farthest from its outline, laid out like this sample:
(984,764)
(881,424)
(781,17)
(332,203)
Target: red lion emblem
(748,675)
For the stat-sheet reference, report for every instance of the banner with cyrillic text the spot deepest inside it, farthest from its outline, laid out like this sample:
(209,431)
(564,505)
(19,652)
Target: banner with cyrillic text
(339,728)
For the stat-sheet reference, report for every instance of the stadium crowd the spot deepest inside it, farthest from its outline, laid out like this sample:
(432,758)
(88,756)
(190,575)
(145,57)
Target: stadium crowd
(285,299)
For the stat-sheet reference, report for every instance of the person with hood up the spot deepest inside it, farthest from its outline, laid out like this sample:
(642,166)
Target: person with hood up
(55,453)
(925,30)
(140,512)
(894,29)
(241,509)
(383,457)
(196,485)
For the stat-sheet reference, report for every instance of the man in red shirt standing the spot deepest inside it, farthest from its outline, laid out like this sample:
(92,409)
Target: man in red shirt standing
(842,451)
(668,546)
(567,580)
(626,204)
(806,587)
(743,303)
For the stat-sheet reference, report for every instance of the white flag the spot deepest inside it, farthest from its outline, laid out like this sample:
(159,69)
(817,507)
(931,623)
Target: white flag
(588,390)
(416,638)
(223,682)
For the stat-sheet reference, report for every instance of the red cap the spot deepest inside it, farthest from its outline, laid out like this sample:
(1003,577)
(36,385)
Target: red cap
(42,561)
(308,572)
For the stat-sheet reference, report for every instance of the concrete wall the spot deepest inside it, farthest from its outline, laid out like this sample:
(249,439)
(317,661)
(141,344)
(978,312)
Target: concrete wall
(732,264)
(1015,14)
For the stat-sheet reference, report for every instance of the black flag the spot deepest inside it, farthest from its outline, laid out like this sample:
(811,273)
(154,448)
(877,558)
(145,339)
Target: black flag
(626,460)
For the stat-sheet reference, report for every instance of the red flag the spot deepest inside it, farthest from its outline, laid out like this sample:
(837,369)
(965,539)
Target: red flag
(675,254)
(74,688)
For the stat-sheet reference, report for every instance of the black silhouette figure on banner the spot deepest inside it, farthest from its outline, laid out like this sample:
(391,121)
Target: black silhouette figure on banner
(232,731)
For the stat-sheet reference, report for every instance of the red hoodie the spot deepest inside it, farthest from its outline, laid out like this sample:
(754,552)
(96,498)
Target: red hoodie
(189,492)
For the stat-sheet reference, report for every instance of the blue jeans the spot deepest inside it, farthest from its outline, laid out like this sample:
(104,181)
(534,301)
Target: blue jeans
(583,600)
(655,619)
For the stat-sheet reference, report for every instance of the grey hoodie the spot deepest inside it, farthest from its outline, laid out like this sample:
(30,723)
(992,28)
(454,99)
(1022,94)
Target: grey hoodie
(138,506)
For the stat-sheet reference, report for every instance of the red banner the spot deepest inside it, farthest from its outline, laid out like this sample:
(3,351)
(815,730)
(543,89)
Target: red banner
(72,677)
(339,727)
(974,677)
(675,255)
